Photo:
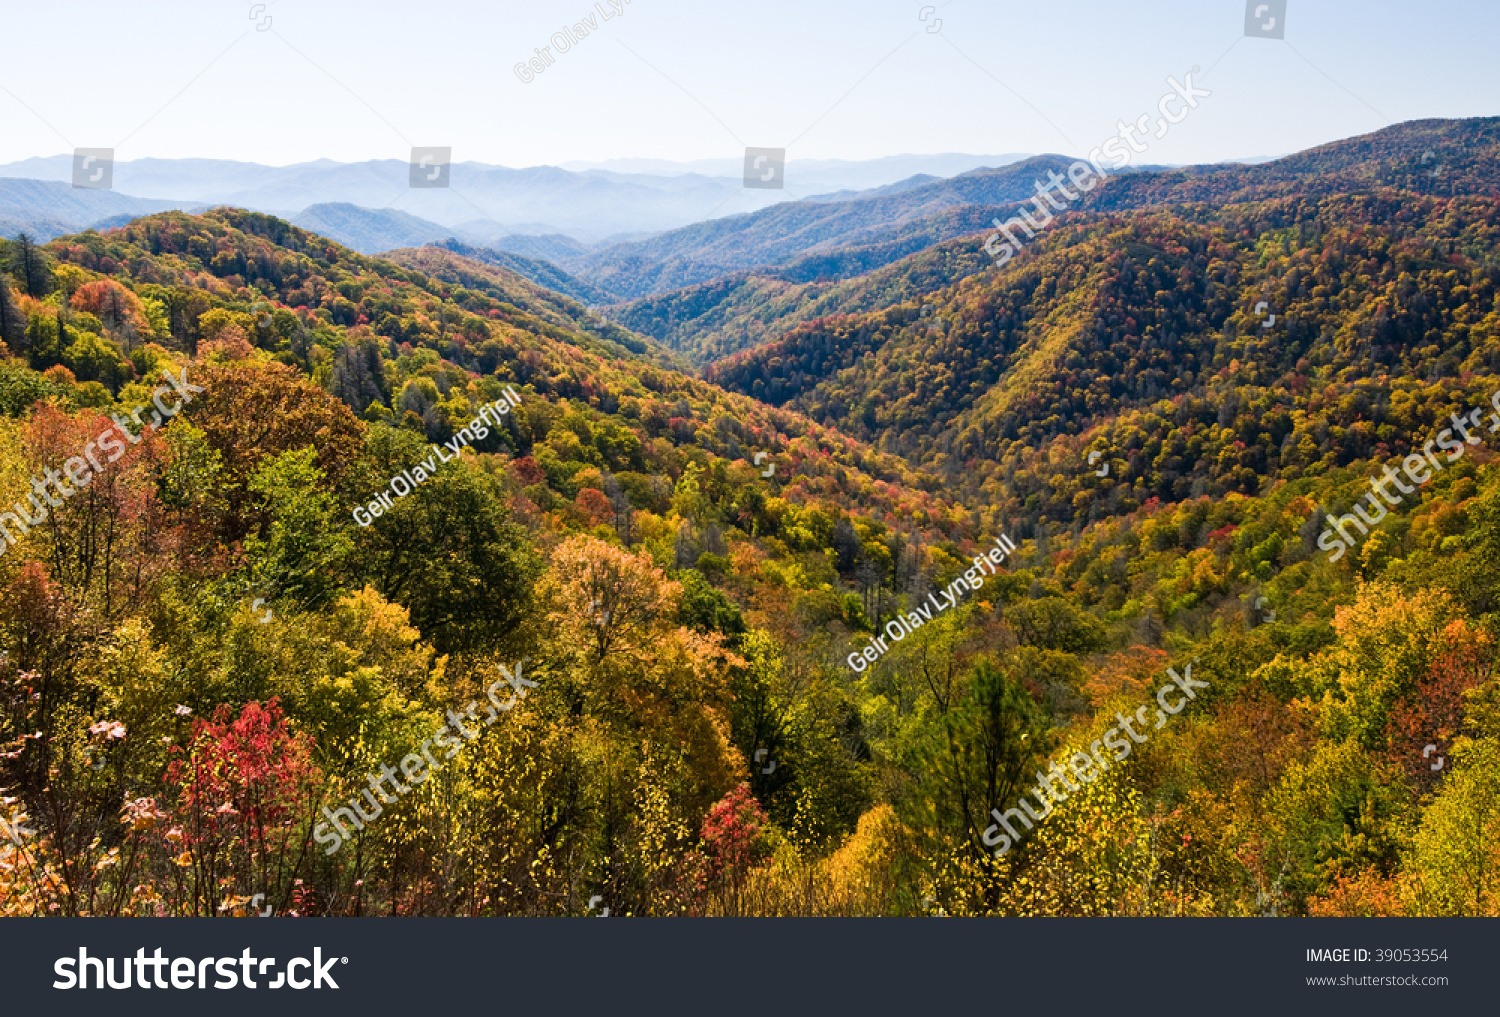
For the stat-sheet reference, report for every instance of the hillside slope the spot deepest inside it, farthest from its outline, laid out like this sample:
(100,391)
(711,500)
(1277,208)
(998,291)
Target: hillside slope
(713,320)
(694,582)
(785,232)
(540,271)
(346,318)
(510,286)
(1443,157)
(1088,333)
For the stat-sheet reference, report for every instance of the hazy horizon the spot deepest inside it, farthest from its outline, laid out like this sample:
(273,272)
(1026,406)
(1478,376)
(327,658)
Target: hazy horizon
(840,81)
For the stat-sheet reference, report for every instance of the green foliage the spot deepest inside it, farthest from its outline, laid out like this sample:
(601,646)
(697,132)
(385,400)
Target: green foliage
(1054,623)
(20,389)
(447,551)
(688,619)
(300,553)
(707,609)
(1331,815)
(1454,850)
(91,357)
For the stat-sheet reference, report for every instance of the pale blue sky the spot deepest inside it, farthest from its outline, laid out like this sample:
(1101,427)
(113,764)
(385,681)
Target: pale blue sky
(691,79)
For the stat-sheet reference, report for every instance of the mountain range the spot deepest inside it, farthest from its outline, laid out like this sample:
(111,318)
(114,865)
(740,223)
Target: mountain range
(705,514)
(483,202)
(877,250)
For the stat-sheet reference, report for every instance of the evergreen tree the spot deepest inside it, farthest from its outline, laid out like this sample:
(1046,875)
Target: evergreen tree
(12,324)
(30,266)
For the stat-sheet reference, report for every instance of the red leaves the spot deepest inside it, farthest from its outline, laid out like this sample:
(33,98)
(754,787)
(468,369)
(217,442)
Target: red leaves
(242,775)
(730,834)
(527,471)
(595,506)
(1434,712)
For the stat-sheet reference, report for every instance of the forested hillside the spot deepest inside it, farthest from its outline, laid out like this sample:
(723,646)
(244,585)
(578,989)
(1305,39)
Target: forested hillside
(539,271)
(1135,335)
(234,573)
(796,637)
(813,239)
(713,320)
(859,271)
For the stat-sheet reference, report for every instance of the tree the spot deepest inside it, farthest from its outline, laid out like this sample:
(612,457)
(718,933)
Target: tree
(970,738)
(448,551)
(1432,712)
(730,837)
(358,377)
(614,617)
(243,785)
(250,411)
(31,266)
(20,389)
(107,543)
(1458,844)
(115,305)
(1053,623)
(12,323)
(1331,815)
(301,554)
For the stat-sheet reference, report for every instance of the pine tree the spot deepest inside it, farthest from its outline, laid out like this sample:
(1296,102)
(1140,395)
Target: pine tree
(12,324)
(30,266)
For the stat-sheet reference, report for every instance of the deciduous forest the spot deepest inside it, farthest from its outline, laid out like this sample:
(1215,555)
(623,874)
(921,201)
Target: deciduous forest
(667,557)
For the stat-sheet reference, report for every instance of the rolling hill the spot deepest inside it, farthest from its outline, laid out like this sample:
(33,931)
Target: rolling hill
(715,319)
(895,223)
(1113,332)
(509,286)
(701,572)
(543,273)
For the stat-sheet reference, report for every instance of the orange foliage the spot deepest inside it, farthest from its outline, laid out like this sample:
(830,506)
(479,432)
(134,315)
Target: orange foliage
(1366,894)
(595,506)
(1134,673)
(114,304)
(1434,712)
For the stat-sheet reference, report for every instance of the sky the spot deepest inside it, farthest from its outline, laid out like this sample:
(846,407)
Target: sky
(296,80)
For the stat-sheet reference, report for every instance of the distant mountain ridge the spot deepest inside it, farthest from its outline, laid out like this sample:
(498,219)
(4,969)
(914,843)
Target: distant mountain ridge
(485,201)
(782,233)
(369,231)
(916,180)
(1421,156)
(1428,157)
(722,314)
(46,208)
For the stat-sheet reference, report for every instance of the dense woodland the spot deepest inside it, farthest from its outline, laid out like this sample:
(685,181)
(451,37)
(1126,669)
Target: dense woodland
(203,649)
